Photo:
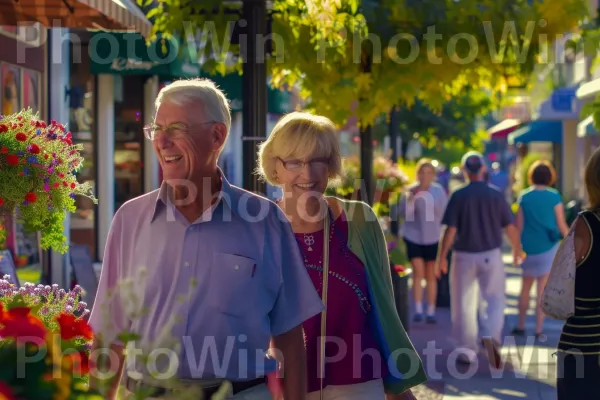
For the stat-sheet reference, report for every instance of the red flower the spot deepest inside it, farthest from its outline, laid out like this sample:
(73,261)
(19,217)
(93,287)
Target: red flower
(65,184)
(1,201)
(34,149)
(80,361)
(4,150)
(61,175)
(55,185)
(31,197)
(6,393)
(72,327)
(3,128)
(12,160)
(19,324)
(21,137)
(73,185)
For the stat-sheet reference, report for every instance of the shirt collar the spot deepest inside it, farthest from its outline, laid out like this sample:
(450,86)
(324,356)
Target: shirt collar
(226,195)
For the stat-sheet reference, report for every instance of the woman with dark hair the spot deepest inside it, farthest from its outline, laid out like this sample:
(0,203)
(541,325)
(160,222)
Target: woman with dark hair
(578,368)
(541,220)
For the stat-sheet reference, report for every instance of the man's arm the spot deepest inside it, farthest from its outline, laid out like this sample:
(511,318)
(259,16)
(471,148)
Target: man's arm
(447,241)
(291,346)
(511,230)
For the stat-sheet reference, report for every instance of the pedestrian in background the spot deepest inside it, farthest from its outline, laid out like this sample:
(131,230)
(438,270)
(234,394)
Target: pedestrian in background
(422,207)
(302,156)
(475,217)
(578,369)
(541,221)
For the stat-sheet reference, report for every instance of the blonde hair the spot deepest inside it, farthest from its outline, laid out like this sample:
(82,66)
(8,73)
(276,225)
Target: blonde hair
(300,135)
(592,179)
(199,90)
(424,163)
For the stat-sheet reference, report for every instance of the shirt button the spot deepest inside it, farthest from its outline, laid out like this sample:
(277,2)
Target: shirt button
(236,267)
(186,264)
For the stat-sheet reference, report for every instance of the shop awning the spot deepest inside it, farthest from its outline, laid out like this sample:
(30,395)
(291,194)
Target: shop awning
(587,128)
(504,128)
(562,104)
(94,14)
(538,131)
(128,54)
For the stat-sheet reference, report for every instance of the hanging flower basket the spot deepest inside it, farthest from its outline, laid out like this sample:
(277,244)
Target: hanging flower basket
(38,162)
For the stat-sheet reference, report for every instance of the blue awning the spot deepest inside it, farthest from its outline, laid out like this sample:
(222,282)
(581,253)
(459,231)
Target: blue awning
(587,128)
(538,131)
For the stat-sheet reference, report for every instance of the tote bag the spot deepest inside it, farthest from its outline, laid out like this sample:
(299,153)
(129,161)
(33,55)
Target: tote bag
(558,299)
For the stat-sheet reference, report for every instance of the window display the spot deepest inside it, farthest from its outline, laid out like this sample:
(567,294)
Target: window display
(129,104)
(81,124)
(20,89)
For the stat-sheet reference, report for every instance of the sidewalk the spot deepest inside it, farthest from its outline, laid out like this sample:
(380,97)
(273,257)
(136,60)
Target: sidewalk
(529,371)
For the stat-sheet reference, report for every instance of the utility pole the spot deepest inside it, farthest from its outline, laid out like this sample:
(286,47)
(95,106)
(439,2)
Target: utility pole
(254,89)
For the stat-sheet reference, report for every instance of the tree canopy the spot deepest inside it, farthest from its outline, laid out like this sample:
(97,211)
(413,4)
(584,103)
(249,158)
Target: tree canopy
(386,52)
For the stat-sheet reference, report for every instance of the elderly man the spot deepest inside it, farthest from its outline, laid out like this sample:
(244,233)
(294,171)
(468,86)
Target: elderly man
(214,267)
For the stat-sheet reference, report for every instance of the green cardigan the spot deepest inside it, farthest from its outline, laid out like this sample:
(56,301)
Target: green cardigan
(367,241)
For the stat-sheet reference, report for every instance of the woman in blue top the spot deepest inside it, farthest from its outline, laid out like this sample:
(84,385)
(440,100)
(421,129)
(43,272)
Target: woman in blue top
(541,220)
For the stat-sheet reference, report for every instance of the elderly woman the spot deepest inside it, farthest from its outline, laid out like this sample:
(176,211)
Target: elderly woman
(302,157)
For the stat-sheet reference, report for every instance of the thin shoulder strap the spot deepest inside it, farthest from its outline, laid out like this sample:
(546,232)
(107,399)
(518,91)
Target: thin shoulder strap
(326,234)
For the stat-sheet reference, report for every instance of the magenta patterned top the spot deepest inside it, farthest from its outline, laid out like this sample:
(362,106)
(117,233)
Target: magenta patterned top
(352,358)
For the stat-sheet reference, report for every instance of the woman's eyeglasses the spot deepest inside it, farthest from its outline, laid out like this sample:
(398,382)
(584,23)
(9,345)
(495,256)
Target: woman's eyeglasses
(297,165)
(175,130)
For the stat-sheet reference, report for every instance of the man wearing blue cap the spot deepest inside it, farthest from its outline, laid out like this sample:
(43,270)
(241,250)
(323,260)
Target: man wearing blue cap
(475,217)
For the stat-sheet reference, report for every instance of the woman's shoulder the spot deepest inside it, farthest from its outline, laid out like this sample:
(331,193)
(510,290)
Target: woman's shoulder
(355,210)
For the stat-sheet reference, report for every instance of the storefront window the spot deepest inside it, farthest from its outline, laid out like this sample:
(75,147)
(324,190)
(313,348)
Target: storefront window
(82,127)
(129,103)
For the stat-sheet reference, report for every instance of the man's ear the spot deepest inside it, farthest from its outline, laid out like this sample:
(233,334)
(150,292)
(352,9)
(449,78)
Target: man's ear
(219,132)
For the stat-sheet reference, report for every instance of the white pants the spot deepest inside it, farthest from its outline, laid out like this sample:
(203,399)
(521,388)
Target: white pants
(371,390)
(259,392)
(477,284)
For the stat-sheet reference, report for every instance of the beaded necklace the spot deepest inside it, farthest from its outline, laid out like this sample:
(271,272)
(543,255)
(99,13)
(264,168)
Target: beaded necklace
(363,300)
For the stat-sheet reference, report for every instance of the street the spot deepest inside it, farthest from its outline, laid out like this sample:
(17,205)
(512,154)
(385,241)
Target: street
(529,371)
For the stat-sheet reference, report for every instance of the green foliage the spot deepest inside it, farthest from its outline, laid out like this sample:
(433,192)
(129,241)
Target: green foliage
(450,151)
(456,120)
(325,46)
(37,174)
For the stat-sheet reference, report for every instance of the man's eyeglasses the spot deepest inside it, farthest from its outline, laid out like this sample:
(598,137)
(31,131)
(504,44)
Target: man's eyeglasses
(175,130)
(297,165)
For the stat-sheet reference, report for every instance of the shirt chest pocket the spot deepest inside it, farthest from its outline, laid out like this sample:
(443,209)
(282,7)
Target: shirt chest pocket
(234,288)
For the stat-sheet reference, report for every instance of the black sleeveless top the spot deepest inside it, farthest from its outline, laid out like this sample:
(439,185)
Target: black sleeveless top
(581,332)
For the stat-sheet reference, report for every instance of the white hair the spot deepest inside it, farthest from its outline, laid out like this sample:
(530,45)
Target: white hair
(198,90)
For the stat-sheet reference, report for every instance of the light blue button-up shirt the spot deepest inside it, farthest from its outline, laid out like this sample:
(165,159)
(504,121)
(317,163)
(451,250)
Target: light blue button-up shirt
(221,287)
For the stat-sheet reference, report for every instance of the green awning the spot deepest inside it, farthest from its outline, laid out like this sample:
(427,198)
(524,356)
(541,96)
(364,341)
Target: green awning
(127,54)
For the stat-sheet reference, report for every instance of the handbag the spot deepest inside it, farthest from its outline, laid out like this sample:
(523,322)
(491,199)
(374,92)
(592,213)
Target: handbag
(558,299)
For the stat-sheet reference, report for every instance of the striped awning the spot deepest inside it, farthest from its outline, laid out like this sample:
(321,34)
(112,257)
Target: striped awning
(114,15)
